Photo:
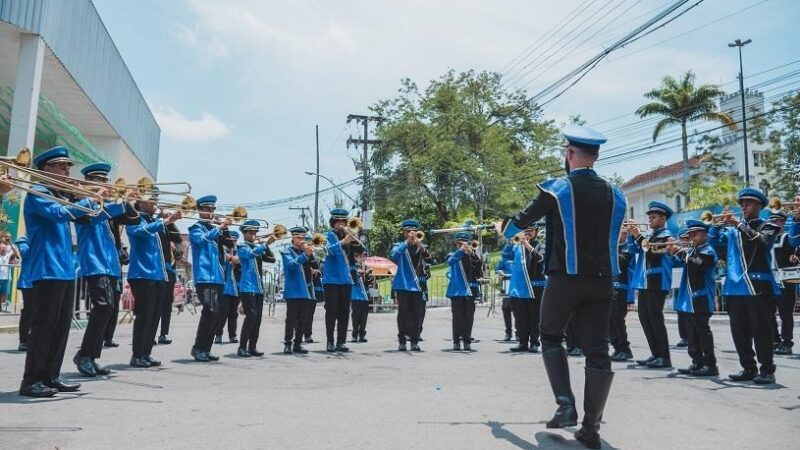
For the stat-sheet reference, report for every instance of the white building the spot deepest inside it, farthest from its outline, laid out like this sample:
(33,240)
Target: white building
(654,184)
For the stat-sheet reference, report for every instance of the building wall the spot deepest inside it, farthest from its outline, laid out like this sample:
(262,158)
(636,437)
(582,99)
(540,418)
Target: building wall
(733,140)
(639,196)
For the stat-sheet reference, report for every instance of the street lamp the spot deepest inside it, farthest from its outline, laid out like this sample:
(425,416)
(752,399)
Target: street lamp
(336,186)
(739,44)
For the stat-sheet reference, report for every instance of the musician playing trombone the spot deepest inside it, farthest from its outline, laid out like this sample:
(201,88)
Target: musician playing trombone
(462,300)
(51,264)
(526,286)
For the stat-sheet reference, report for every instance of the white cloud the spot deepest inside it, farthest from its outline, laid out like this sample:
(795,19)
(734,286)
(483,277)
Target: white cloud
(179,128)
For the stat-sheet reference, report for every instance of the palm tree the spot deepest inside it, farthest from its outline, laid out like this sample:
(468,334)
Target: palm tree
(679,102)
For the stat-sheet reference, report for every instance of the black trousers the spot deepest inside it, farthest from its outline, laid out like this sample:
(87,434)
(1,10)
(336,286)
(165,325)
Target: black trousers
(209,295)
(228,313)
(252,306)
(308,327)
(751,322)
(409,304)
(166,305)
(296,309)
(422,309)
(588,299)
(572,337)
(618,332)
(114,317)
(52,315)
(699,337)
(785,304)
(337,311)
(147,295)
(527,312)
(26,315)
(100,289)
(683,325)
(463,310)
(360,313)
(651,316)
(507,315)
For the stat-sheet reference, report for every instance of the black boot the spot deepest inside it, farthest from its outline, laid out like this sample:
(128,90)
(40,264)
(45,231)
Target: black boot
(555,362)
(595,394)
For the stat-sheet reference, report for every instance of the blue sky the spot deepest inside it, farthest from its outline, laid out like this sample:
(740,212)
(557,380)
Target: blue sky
(238,85)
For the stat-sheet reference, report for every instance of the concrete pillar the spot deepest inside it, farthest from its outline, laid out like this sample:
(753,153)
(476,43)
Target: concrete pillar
(26,93)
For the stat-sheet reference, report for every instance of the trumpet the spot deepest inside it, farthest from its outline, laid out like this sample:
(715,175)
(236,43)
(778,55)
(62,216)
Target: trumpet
(21,163)
(643,227)
(354,225)
(517,239)
(420,235)
(776,204)
(661,247)
(318,240)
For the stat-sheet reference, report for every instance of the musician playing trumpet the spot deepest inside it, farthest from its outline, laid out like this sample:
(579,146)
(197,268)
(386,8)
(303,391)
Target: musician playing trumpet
(782,252)
(409,256)
(337,280)
(298,289)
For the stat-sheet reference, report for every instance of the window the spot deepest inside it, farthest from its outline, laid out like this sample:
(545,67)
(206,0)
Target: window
(758,159)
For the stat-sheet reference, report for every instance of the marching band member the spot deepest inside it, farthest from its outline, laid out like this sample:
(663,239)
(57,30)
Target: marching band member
(503,271)
(424,276)
(100,271)
(229,307)
(653,280)
(782,251)
(408,255)
(359,299)
(51,265)
(147,276)
(749,285)
(695,298)
(250,289)
(461,297)
(26,288)
(337,281)
(623,296)
(206,238)
(117,224)
(171,242)
(526,288)
(583,213)
(298,289)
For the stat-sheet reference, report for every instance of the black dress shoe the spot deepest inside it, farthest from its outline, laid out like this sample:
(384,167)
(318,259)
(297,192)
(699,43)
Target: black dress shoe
(659,363)
(153,362)
(218,340)
(165,340)
(201,356)
(100,370)
(415,347)
(36,390)
(402,347)
(457,346)
(213,357)
(287,349)
(233,340)
(519,348)
(195,351)
(354,339)
(692,366)
(764,378)
(253,352)
(140,362)
(682,343)
(420,339)
(330,348)
(110,344)
(297,348)
(705,371)
(62,386)
(590,439)
(84,365)
(783,350)
(467,347)
(342,348)
(243,352)
(618,357)
(362,339)
(743,375)
(644,362)
(310,340)
(23,347)
(533,349)
(507,338)
(575,352)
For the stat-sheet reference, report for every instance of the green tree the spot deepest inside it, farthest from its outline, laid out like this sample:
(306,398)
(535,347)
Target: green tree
(782,161)
(461,147)
(679,102)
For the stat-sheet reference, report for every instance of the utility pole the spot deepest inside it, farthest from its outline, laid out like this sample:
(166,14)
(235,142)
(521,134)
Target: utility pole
(303,215)
(738,43)
(363,164)
(316,188)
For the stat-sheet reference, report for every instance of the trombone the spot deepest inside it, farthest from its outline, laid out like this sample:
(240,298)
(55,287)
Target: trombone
(484,226)
(776,204)
(21,163)
(278,232)
(661,247)
(354,225)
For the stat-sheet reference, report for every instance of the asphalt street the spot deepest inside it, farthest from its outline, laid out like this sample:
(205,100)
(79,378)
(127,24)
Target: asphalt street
(378,398)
